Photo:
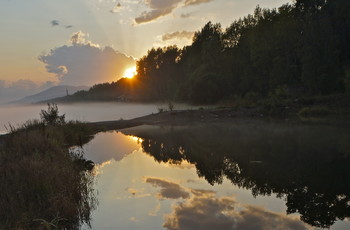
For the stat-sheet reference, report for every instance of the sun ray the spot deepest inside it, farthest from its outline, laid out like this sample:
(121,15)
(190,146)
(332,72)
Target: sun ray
(130,72)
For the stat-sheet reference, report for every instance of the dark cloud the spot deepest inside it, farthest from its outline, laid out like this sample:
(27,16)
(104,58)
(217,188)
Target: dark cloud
(202,192)
(162,4)
(196,2)
(169,189)
(85,63)
(58,23)
(151,15)
(178,35)
(159,8)
(55,23)
(209,212)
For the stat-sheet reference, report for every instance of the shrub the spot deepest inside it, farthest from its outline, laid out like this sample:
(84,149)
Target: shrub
(315,111)
(51,117)
(171,106)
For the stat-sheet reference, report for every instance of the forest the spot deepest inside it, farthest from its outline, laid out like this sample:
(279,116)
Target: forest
(298,50)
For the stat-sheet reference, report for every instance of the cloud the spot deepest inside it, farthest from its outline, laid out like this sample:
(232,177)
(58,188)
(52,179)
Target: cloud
(169,190)
(151,15)
(79,38)
(178,35)
(85,63)
(209,212)
(156,210)
(196,2)
(98,169)
(59,70)
(183,15)
(55,23)
(58,23)
(159,8)
(132,191)
(203,192)
(253,217)
(11,91)
(202,209)
(117,8)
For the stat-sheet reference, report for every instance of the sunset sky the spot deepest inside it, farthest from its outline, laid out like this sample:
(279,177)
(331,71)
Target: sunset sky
(83,42)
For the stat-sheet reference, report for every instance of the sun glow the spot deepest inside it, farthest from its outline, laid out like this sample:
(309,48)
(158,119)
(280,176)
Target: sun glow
(130,72)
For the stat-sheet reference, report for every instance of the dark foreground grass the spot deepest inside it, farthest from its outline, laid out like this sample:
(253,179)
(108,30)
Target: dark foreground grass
(43,183)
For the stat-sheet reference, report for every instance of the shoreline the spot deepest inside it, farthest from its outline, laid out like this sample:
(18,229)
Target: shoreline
(203,116)
(207,115)
(179,117)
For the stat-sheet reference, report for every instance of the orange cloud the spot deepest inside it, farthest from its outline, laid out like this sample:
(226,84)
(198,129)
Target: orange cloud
(85,63)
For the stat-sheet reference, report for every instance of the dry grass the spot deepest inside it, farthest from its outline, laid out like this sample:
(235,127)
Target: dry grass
(44,185)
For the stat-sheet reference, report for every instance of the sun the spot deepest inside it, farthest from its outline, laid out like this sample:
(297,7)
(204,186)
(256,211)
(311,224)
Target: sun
(130,72)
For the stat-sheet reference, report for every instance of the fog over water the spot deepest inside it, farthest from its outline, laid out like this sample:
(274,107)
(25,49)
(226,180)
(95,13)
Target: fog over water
(18,114)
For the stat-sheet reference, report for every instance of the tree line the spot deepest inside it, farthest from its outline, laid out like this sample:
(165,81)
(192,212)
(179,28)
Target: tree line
(301,48)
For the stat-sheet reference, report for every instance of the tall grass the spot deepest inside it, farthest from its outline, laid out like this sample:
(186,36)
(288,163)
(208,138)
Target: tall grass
(44,184)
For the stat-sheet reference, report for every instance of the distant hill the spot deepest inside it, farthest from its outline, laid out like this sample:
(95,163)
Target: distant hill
(51,93)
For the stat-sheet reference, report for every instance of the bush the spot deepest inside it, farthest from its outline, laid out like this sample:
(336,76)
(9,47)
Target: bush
(171,106)
(51,117)
(315,111)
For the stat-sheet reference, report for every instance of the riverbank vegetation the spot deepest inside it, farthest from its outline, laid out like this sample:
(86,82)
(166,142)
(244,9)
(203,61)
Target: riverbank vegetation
(293,55)
(45,184)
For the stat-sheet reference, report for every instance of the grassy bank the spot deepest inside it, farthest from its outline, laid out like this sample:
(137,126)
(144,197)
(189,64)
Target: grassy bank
(44,184)
(284,105)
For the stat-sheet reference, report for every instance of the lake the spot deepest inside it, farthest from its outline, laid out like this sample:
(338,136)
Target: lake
(18,114)
(241,175)
(245,174)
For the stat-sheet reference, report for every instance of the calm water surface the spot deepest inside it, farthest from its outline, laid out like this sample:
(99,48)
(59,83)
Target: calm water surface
(16,115)
(238,175)
(242,175)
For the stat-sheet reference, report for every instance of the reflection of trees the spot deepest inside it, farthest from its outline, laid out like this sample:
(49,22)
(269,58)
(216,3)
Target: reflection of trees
(308,166)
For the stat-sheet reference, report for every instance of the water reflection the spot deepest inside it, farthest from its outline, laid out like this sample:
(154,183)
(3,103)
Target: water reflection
(110,145)
(138,193)
(306,165)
